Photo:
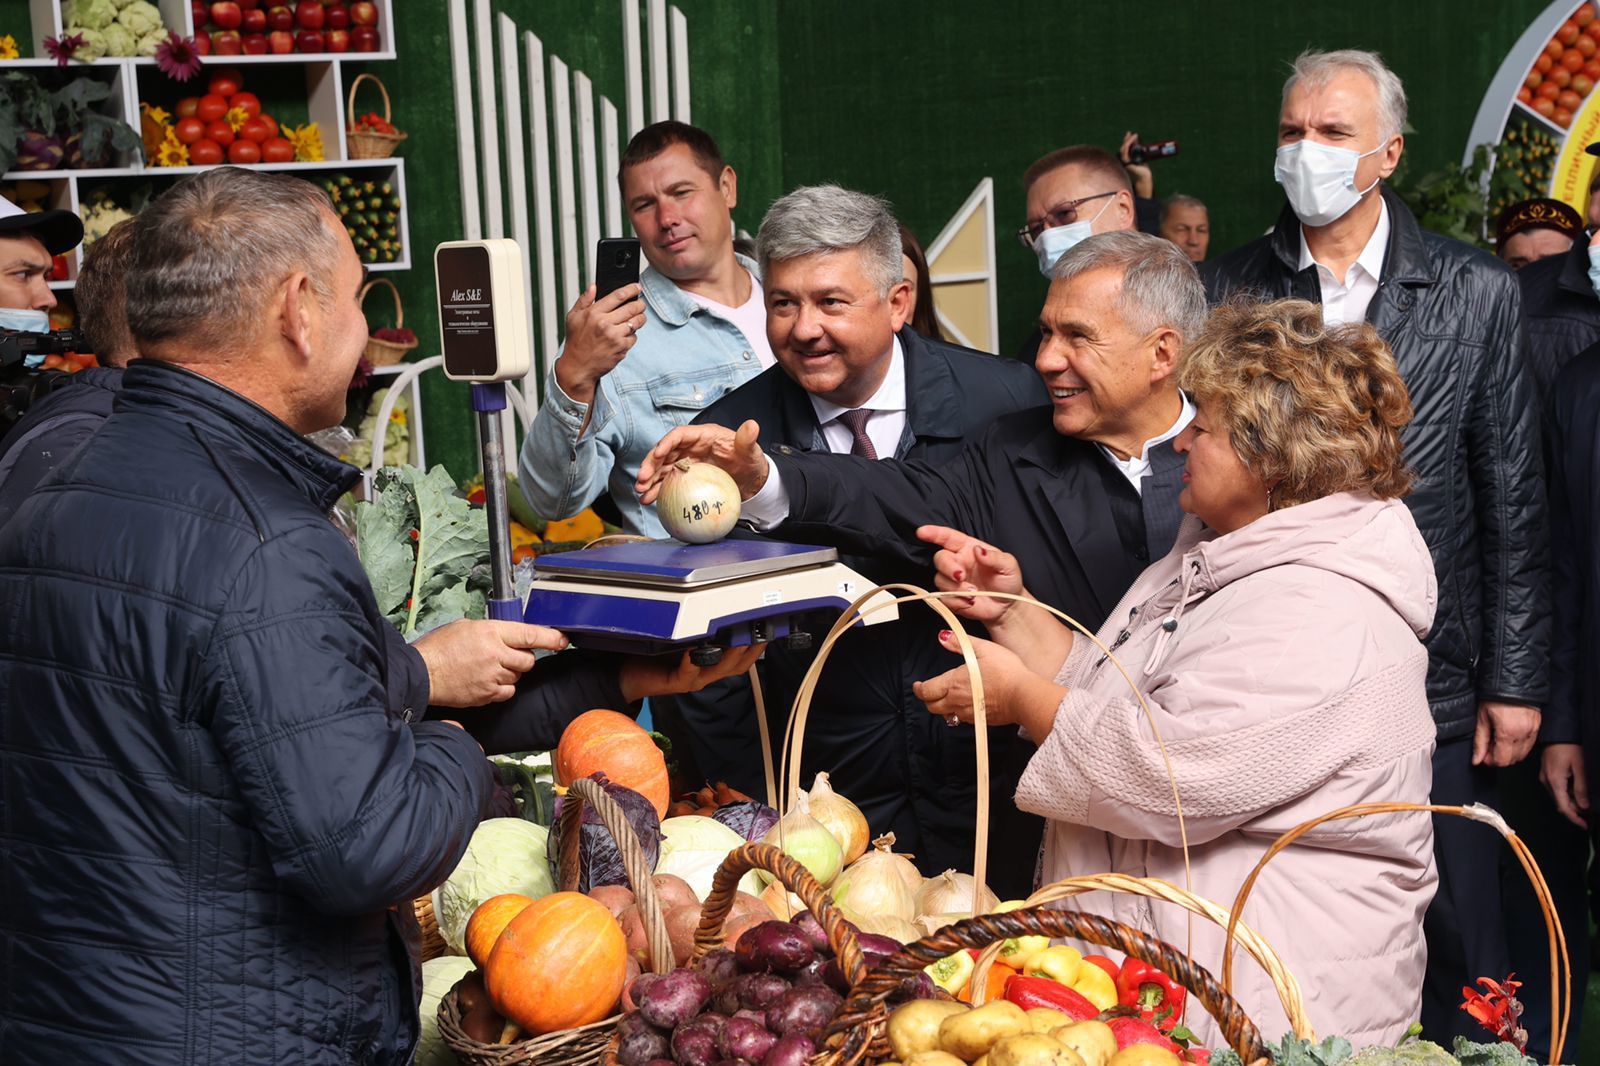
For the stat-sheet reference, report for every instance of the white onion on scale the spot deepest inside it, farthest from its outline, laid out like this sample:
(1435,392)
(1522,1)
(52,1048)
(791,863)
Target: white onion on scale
(699,502)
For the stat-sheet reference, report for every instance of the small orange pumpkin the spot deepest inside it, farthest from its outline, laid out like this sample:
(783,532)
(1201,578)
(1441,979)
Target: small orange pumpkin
(615,745)
(489,921)
(559,964)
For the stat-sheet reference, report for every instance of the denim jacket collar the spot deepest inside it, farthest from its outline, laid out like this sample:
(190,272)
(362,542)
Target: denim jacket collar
(671,304)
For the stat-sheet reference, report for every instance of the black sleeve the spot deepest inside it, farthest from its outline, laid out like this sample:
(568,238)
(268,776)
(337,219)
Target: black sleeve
(558,689)
(1560,723)
(1147,214)
(37,454)
(407,675)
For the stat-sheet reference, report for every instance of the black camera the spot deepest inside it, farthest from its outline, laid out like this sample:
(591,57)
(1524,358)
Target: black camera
(21,385)
(1145,153)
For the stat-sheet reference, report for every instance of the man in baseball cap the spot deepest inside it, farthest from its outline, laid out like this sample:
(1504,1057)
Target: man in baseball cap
(1530,230)
(28,242)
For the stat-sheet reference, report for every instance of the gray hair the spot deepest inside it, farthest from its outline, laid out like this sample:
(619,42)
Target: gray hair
(1160,286)
(1318,68)
(1179,199)
(815,219)
(208,253)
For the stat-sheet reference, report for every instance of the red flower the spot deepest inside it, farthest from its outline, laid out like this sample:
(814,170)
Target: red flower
(363,374)
(177,57)
(1497,1009)
(62,48)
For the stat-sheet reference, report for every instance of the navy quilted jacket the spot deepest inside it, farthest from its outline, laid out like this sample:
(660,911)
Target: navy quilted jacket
(208,808)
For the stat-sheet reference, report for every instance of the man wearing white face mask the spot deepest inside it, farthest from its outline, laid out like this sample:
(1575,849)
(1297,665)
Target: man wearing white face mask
(1451,315)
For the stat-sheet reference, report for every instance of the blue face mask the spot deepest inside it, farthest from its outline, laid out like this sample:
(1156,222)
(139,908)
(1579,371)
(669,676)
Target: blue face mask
(1594,268)
(26,322)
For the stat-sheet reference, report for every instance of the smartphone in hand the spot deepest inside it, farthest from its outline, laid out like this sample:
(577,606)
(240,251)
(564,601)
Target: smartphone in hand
(616,264)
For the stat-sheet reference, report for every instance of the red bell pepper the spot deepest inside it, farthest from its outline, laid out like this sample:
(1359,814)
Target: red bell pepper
(1197,1055)
(1105,964)
(1031,992)
(1132,1031)
(1157,997)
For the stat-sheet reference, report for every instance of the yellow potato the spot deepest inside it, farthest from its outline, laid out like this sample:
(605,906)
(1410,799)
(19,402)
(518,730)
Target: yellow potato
(1092,1040)
(1032,1049)
(983,1060)
(969,1035)
(1044,1020)
(934,1058)
(914,1026)
(1144,1055)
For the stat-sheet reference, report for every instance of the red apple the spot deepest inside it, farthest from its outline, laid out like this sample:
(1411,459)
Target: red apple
(226,15)
(338,17)
(364,38)
(310,14)
(227,43)
(255,44)
(309,41)
(254,20)
(200,12)
(280,17)
(337,40)
(202,42)
(364,13)
(280,42)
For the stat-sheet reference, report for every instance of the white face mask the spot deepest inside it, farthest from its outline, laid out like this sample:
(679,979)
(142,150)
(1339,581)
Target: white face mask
(1594,268)
(26,321)
(1053,243)
(1320,180)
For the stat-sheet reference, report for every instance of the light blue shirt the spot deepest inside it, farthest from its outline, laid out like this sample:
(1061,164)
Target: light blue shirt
(686,359)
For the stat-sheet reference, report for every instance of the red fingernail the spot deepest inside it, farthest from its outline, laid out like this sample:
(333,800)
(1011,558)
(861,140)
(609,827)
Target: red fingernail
(945,634)
(960,575)
(983,552)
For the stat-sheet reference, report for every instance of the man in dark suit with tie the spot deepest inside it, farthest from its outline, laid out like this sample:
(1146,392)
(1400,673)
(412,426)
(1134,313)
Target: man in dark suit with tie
(1084,492)
(853,379)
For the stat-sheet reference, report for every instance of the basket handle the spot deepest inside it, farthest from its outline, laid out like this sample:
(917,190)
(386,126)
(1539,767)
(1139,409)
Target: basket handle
(1241,1033)
(588,791)
(399,308)
(794,877)
(350,105)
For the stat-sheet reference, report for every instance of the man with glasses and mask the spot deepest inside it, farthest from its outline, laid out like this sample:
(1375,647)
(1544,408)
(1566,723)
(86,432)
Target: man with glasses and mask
(1451,314)
(1072,193)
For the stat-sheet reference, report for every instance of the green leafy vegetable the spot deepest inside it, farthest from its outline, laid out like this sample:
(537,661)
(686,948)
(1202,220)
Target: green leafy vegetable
(421,545)
(1296,1052)
(1501,1054)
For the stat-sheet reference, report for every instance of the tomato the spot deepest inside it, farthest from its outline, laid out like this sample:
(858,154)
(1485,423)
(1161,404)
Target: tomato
(277,150)
(1543,106)
(250,103)
(1543,63)
(226,81)
(220,132)
(1568,32)
(1572,59)
(204,153)
(1582,84)
(253,129)
(1591,69)
(1593,29)
(272,124)
(1562,117)
(211,108)
(242,151)
(186,106)
(1554,49)
(1549,90)
(1532,80)
(1583,16)
(1561,77)
(1524,95)
(189,130)
(1568,101)
(1585,46)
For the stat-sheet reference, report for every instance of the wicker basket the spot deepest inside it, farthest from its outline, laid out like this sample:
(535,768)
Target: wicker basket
(587,1043)
(382,352)
(433,944)
(365,143)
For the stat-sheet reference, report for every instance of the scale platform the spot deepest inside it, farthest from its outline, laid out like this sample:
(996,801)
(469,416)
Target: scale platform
(658,596)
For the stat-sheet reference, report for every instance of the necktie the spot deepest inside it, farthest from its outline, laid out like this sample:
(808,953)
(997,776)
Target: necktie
(856,422)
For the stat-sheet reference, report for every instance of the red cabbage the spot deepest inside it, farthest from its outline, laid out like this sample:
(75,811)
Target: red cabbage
(600,861)
(749,819)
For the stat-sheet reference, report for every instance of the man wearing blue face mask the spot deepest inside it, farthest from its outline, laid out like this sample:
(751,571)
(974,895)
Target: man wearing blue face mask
(1451,315)
(28,243)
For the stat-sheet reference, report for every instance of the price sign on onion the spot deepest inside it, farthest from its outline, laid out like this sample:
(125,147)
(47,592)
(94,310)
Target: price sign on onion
(699,503)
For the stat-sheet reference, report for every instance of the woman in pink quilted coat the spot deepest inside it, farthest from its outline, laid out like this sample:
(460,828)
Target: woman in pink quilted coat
(1279,647)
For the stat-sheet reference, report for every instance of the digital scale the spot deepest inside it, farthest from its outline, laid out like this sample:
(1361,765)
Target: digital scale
(644,597)
(657,596)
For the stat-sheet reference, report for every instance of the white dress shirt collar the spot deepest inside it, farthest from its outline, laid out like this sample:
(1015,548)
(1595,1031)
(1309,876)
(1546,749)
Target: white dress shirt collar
(1346,299)
(1136,467)
(891,394)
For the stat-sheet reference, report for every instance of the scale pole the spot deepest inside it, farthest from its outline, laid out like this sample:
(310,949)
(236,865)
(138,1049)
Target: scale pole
(488,400)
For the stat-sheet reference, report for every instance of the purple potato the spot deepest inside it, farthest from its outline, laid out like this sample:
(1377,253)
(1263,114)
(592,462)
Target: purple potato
(812,930)
(720,966)
(753,1015)
(639,1043)
(806,1011)
(640,983)
(919,987)
(813,972)
(675,998)
(876,948)
(734,1062)
(833,977)
(695,1045)
(758,991)
(774,945)
(725,1000)
(791,1050)
(744,1038)
(715,1019)
(660,1062)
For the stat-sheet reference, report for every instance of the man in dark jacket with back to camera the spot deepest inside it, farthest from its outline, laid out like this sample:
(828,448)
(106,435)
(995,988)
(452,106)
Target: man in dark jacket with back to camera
(194,686)
(1450,313)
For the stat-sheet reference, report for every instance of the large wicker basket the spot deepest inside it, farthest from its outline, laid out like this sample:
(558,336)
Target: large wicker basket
(585,1044)
(365,143)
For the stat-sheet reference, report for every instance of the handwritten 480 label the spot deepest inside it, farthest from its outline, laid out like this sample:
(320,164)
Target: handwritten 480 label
(702,509)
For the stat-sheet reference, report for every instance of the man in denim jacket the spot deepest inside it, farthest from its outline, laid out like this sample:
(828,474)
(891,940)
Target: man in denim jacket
(649,357)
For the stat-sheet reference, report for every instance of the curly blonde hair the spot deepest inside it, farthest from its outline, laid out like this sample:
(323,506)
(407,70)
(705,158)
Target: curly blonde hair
(1311,411)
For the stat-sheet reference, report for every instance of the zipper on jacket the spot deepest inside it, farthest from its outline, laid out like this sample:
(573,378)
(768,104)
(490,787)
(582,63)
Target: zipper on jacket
(1122,638)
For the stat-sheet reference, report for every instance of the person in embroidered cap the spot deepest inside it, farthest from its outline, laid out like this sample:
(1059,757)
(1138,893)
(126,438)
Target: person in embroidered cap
(1530,230)
(28,243)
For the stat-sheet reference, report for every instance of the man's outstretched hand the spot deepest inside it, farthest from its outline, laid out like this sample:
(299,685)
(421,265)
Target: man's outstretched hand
(736,452)
(472,662)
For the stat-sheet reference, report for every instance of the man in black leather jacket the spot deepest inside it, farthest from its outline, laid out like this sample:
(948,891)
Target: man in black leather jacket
(1451,314)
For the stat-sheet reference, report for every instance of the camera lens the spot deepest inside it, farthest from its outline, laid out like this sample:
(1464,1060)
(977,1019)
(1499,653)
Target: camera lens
(622,259)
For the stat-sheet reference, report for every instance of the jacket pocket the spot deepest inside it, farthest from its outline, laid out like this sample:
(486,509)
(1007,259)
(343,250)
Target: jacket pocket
(679,398)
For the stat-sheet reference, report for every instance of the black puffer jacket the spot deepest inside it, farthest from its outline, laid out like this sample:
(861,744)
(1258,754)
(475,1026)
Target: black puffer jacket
(209,810)
(1451,314)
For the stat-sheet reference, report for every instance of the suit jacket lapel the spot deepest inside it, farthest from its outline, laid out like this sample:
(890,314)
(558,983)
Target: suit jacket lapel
(933,406)
(800,426)
(1067,489)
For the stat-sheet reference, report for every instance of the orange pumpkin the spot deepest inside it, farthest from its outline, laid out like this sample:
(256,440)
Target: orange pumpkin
(615,745)
(489,921)
(559,964)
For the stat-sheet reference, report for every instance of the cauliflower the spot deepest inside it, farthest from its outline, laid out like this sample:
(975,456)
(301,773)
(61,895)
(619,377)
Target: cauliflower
(140,17)
(99,217)
(147,45)
(119,42)
(93,46)
(90,15)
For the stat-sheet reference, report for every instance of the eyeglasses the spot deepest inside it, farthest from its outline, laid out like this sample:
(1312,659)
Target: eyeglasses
(1063,214)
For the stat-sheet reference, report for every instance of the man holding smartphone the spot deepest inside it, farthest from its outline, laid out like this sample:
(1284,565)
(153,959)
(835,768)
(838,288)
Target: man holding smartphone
(648,357)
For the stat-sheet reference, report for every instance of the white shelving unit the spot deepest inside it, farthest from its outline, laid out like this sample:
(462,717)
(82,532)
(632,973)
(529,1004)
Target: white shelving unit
(131,78)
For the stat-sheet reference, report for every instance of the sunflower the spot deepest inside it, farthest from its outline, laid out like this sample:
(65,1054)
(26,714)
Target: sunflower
(155,126)
(307,141)
(173,152)
(236,117)
(8,48)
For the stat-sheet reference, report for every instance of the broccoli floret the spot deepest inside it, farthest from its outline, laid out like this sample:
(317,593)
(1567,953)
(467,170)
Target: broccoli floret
(1501,1054)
